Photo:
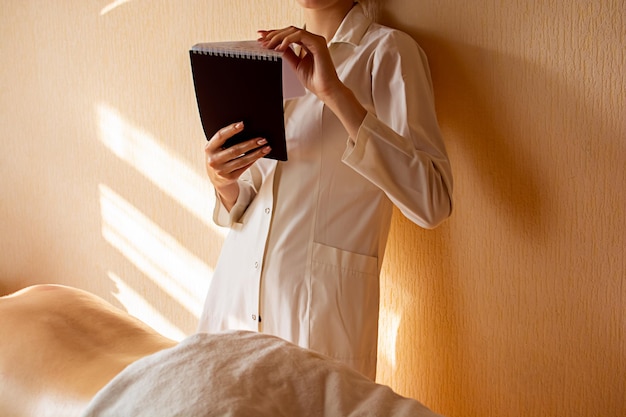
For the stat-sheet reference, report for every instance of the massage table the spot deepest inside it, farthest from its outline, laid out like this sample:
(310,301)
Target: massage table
(68,353)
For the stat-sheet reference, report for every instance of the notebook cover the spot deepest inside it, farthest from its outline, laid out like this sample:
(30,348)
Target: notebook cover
(230,89)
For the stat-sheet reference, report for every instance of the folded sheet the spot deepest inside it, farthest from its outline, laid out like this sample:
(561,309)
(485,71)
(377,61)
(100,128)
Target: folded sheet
(245,374)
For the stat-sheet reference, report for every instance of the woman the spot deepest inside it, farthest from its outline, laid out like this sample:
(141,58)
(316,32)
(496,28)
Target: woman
(307,237)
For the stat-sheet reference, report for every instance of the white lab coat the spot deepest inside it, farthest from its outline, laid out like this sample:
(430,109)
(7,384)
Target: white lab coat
(307,238)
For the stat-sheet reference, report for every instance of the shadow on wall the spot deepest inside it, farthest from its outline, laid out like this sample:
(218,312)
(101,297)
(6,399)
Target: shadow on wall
(511,122)
(482,147)
(505,145)
(471,84)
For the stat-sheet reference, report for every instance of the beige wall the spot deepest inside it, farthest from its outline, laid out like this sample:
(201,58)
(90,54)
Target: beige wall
(514,307)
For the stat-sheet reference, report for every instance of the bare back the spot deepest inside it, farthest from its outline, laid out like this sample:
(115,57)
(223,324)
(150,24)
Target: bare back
(60,345)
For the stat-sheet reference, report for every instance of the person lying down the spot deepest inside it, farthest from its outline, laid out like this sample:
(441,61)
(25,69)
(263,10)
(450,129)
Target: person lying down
(60,346)
(66,352)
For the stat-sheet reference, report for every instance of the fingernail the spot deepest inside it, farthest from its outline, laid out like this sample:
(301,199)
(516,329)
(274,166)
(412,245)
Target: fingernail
(261,141)
(238,125)
(267,149)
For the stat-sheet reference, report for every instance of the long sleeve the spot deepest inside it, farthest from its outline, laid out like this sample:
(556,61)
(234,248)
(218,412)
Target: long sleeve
(249,185)
(307,237)
(399,148)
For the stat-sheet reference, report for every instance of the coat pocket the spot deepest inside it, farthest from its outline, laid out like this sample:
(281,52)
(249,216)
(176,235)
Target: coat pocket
(344,304)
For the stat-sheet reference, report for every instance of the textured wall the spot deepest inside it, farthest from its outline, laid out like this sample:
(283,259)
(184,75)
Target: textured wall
(103,183)
(514,307)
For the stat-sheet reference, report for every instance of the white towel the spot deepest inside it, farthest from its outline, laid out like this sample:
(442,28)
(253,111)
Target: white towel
(245,374)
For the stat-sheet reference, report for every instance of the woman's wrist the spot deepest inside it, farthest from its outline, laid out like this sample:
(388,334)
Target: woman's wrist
(228,195)
(347,108)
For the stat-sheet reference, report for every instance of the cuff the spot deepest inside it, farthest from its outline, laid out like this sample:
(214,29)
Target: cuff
(222,217)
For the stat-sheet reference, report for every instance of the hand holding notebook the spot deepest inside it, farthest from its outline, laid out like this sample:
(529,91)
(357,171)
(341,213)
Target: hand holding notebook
(242,81)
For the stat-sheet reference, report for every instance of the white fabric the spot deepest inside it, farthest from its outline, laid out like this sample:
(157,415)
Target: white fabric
(243,374)
(308,235)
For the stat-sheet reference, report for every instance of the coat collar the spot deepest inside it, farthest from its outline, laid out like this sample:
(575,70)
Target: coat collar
(353,27)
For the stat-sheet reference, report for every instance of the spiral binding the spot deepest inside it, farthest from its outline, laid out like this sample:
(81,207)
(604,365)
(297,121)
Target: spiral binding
(237,49)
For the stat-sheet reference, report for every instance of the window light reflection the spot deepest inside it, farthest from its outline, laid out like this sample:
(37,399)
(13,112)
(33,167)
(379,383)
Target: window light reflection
(111,6)
(159,165)
(154,252)
(388,333)
(138,307)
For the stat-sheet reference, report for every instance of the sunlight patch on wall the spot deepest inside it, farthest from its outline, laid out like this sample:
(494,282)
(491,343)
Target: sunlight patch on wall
(138,307)
(158,255)
(159,165)
(388,334)
(111,6)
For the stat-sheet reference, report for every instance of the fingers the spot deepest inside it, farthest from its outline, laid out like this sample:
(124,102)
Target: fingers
(280,39)
(292,58)
(271,39)
(215,150)
(226,164)
(313,64)
(221,136)
(229,164)
(240,151)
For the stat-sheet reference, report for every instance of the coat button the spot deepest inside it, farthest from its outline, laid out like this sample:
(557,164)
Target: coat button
(267,210)
(254,317)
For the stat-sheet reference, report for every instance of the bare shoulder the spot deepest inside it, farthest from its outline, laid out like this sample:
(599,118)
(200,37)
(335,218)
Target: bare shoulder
(61,345)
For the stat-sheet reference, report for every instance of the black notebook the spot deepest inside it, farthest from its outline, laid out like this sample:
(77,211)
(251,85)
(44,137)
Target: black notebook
(241,81)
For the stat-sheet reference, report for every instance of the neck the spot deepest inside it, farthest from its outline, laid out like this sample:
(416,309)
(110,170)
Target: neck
(326,21)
